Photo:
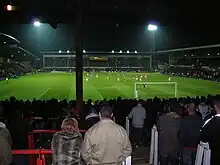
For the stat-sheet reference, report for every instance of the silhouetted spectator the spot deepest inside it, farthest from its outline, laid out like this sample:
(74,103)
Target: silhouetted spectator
(168,127)
(106,142)
(203,108)
(189,135)
(66,144)
(5,145)
(138,116)
(210,133)
(92,118)
(19,129)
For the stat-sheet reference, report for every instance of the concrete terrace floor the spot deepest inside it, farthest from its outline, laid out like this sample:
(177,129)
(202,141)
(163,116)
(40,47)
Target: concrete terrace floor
(140,156)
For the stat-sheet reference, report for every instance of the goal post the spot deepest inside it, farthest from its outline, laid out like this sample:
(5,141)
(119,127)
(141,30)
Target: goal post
(136,92)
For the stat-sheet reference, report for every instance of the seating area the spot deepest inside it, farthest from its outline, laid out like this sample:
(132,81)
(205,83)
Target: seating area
(10,68)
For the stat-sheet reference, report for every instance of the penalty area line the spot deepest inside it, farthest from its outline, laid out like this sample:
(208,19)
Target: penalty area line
(101,96)
(44,93)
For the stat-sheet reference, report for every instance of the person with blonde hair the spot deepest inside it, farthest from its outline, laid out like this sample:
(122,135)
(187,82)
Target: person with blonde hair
(66,144)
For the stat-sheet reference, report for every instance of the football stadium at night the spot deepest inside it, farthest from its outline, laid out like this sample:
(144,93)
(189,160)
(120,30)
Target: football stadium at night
(109,82)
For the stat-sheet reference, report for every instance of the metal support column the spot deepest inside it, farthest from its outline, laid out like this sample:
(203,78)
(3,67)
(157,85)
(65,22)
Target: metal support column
(79,58)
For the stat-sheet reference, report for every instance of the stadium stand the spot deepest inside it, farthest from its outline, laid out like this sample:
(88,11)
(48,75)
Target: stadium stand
(201,64)
(100,61)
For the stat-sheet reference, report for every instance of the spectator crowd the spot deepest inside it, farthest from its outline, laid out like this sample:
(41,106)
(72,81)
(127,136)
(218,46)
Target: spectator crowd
(182,123)
(13,68)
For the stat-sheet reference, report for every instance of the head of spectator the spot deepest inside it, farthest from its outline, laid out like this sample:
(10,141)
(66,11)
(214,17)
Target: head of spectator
(191,108)
(93,110)
(176,108)
(105,113)
(217,105)
(69,125)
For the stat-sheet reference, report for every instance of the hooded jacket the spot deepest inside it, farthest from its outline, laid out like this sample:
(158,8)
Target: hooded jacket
(5,145)
(66,148)
(168,128)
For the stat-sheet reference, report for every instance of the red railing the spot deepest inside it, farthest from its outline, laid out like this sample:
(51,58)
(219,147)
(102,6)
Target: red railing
(41,152)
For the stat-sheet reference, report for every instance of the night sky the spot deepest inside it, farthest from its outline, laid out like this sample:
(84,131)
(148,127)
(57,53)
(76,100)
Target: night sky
(104,29)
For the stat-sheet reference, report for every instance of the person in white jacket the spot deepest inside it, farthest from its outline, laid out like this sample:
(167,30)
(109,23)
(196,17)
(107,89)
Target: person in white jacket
(138,116)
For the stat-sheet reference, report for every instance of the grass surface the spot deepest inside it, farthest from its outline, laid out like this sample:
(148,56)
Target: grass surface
(62,86)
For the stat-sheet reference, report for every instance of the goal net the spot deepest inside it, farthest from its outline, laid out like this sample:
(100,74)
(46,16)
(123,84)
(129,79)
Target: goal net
(143,90)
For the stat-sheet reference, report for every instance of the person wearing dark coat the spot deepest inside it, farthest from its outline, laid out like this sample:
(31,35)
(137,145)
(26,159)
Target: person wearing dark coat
(210,133)
(189,135)
(92,118)
(168,127)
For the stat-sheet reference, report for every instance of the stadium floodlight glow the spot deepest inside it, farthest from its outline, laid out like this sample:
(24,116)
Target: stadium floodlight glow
(68,51)
(218,54)
(152,27)
(60,51)
(185,55)
(135,51)
(9,7)
(208,54)
(37,23)
(120,51)
(128,51)
(84,51)
(113,51)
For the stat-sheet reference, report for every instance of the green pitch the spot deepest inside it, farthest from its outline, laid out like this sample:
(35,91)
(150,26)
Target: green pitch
(106,85)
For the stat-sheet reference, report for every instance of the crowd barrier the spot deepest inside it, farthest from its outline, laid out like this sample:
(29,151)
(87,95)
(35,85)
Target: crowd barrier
(41,158)
(154,146)
(203,154)
(127,126)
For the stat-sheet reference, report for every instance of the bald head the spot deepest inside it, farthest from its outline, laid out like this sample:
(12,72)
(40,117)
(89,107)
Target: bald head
(191,108)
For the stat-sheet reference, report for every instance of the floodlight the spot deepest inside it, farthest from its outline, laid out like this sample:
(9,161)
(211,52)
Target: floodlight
(9,7)
(84,51)
(60,51)
(113,51)
(37,23)
(135,51)
(67,51)
(152,27)
(120,51)
(128,51)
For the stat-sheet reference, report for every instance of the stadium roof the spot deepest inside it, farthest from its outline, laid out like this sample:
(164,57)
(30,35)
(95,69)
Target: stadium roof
(9,46)
(166,12)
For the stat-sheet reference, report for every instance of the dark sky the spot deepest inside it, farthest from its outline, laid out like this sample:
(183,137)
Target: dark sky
(107,37)
(118,25)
